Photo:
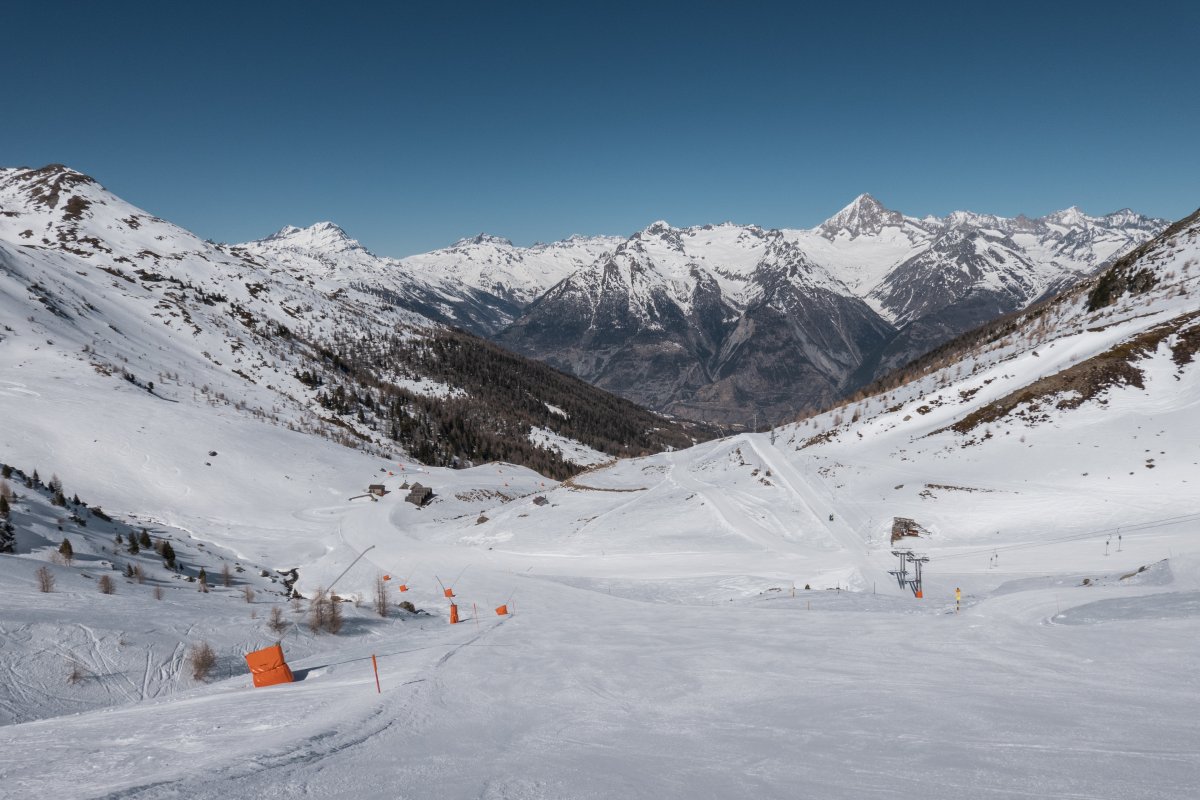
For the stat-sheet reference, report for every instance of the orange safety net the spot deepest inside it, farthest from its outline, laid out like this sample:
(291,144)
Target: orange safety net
(267,666)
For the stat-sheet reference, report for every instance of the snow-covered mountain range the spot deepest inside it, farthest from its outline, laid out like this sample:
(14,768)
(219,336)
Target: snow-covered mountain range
(734,323)
(729,322)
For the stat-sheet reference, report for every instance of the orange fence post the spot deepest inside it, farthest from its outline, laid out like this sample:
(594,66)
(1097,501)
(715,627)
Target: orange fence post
(375,664)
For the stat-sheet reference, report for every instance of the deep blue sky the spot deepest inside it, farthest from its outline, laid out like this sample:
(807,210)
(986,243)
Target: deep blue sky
(412,125)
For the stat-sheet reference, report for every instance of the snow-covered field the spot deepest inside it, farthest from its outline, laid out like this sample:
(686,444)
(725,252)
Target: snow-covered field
(663,644)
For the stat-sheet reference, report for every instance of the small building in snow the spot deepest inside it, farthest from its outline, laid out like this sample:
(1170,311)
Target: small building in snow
(419,495)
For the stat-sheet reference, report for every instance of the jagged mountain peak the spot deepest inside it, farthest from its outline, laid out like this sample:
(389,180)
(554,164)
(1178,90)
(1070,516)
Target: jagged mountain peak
(657,228)
(483,238)
(322,236)
(864,215)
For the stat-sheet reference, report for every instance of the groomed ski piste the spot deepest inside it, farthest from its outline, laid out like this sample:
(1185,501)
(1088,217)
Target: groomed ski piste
(715,622)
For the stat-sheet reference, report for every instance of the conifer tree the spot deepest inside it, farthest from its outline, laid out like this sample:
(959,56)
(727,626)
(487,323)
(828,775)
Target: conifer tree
(133,545)
(66,551)
(168,554)
(4,508)
(144,540)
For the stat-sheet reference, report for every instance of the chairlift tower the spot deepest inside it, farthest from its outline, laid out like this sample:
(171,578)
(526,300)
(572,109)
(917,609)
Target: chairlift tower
(901,573)
(918,586)
(915,583)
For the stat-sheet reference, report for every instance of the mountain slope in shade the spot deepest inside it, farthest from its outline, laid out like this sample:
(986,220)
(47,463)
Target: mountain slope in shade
(667,322)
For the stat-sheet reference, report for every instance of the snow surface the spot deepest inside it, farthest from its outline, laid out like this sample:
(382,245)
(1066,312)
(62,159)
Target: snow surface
(572,451)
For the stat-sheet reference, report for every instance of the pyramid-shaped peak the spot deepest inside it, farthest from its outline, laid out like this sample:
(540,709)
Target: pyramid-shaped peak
(327,236)
(864,215)
(1071,217)
(865,200)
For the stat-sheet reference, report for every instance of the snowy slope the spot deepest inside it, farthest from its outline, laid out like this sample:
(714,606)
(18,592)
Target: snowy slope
(131,343)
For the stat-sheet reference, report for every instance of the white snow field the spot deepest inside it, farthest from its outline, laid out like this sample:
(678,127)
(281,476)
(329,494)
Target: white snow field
(656,649)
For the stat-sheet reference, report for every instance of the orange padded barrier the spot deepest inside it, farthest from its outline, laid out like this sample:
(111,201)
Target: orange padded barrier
(268,667)
(448,592)
(502,610)
(453,614)
(403,587)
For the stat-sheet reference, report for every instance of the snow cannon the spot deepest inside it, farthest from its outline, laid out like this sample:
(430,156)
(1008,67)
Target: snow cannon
(502,611)
(453,614)
(268,667)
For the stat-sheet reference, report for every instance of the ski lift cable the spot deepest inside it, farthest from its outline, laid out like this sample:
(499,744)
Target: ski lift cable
(1123,530)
